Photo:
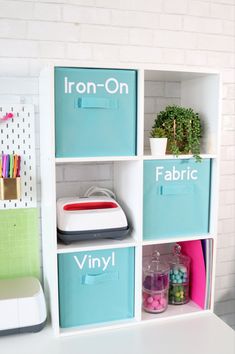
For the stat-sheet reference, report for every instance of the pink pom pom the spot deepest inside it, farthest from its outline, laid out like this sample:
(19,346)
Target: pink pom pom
(163,302)
(157,297)
(159,307)
(150,307)
(150,299)
(155,303)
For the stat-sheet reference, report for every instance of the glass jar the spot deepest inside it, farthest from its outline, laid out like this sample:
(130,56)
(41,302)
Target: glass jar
(179,277)
(155,285)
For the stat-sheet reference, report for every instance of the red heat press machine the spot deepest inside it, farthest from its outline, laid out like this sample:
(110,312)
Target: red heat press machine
(90,217)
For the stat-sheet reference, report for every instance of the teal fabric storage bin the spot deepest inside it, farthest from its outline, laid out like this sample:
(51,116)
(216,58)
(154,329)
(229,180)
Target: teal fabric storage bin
(96,286)
(95,112)
(176,198)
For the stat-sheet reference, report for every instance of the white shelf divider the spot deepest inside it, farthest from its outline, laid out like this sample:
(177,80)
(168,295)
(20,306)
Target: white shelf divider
(148,156)
(177,239)
(95,245)
(63,160)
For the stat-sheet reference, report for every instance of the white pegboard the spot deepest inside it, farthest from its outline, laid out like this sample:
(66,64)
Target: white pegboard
(17,136)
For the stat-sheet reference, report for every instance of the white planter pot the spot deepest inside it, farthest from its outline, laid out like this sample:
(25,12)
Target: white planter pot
(158,146)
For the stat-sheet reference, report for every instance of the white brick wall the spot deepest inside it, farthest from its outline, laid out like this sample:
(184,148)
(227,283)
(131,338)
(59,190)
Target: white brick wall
(158,95)
(74,180)
(183,33)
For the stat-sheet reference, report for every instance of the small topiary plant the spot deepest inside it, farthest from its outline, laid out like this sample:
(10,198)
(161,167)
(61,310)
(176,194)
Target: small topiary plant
(183,130)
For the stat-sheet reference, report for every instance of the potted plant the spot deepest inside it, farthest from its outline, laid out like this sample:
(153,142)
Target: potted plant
(158,141)
(183,130)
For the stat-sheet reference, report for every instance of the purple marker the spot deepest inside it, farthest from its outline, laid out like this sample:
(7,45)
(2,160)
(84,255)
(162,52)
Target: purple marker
(7,166)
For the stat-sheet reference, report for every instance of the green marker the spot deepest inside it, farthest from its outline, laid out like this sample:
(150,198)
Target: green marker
(11,166)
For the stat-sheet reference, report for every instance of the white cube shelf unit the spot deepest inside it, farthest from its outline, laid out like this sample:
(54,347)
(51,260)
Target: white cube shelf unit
(71,176)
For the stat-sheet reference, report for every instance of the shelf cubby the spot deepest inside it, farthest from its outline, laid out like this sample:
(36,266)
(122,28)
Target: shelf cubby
(123,177)
(199,91)
(200,280)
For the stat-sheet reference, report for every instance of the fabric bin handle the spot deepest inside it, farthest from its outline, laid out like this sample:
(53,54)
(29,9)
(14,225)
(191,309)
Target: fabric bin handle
(176,190)
(93,279)
(94,102)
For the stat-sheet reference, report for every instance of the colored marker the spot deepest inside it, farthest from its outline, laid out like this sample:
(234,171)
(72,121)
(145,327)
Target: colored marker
(7,165)
(18,167)
(3,165)
(11,166)
(15,166)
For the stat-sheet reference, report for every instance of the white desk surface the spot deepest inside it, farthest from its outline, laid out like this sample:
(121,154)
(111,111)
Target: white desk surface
(205,334)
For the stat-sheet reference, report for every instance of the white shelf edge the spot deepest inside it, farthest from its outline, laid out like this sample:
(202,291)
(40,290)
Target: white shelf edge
(147,156)
(97,327)
(174,311)
(95,245)
(177,239)
(190,69)
(190,309)
(63,160)
(180,157)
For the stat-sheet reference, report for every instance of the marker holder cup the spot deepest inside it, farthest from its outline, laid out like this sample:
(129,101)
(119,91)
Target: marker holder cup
(10,188)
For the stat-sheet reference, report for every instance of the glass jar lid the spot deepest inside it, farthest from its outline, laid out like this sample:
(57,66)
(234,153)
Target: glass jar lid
(156,274)
(157,265)
(178,257)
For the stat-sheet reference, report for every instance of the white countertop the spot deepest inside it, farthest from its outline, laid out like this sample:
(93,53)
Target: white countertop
(204,334)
